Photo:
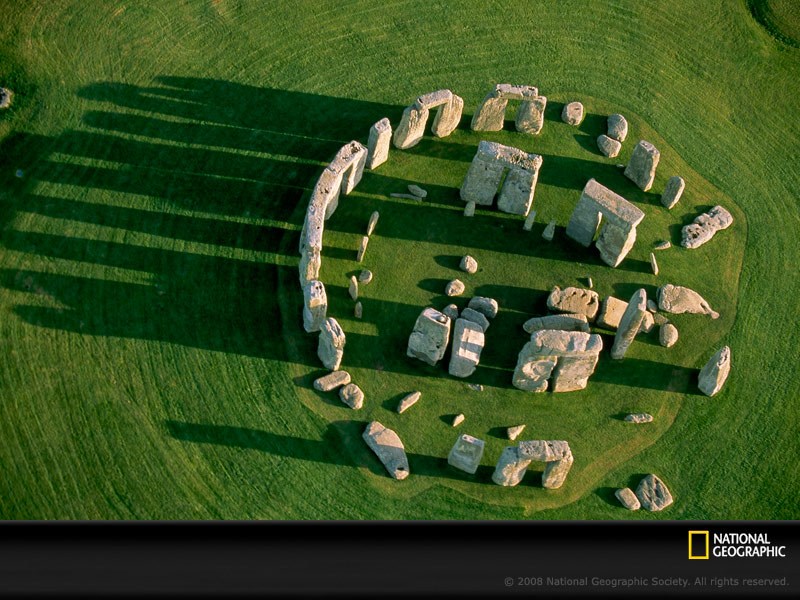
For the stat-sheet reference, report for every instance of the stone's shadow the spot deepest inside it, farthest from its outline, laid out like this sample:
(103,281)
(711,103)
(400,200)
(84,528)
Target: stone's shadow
(448,419)
(648,374)
(589,143)
(501,433)
(634,480)
(515,298)
(606,494)
(329,251)
(434,286)
(443,148)
(624,291)
(553,110)
(620,416)
(391,403)
(384,185)
(593,125)
(450,262)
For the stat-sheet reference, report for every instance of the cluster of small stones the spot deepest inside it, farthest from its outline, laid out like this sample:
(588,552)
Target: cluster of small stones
(349,393)
(610,143)
(652,494)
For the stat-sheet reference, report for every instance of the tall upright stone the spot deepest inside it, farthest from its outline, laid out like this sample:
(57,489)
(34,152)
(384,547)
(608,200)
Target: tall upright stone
(641,167)
(380,137)
(617,127)
(412,124)
(564,358)
(315,306)
(468,342)
(630,323)
(331,344)
(715,372)
(530,116)
(466,454)
(511,467)
(373,221)
(491,113)
(673,191)
(428,340)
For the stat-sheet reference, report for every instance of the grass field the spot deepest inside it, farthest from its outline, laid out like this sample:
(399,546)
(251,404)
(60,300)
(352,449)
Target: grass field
(154,172)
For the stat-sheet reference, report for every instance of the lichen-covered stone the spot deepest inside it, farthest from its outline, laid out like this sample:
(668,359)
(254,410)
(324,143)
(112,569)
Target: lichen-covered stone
(331,381)
(569,357)
(715,372)
(566,322)
(386,444)
(530,116)
(352,290)
(455,287)
(365,276)
(653,264)
(641,167)
(549,231)
(373,221)
(358,310)
(362,248)
(630,323)
(487,306)
(572,113)
(639,418)
(469,209)
(315,306)
(331,344)
(408,401)
(705,226)
(653,493)
(608,146)
(451,310)
(617,127)
(380,137)
(469,264)
(428,340)
(417,191)
(466,454)
(458,420)
(468,342)
(511,467)
(575,301)
(352,396)
(470,314)
(514,432)
(673,191)
(677,299)
(528,225)
(667,335)
(628,499)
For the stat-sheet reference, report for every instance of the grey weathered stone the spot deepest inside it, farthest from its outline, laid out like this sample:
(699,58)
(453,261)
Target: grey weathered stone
(653,264)
(358,310)
(630,323)
(469,209)
(380,137)
(715,372)
(617,127)
(663,246)
(514,432)
(390,450)
(619,233)
(373,221)
(639,418)
(315,306)
(458,420)
(331,381)
(6,96)
(667,335)
(365,276)
(677,299)
(673,191)
(589,282)
(561,322)
(455,287)
(353,289)
(466,454)
(469,264)
(309,266)
(641,167)
(647,323)
(412,124)
(575,301)
(468,341)
(555,472)
(428,340)
(491,113)
(612,311)
(331,344)
(511,467)
(362,248)
(659,319)
(411,128)
(549,231)
(417,191)
(487,306)
(653,493)
(476,317)
(451,310)
(569,357)
(406,196)
(705,226)
(408,401)
(555,453)
(530,116)
(349,164)
(608,146)
(628,499)
(352,396)
(528,225)
(651,305)
(572,113)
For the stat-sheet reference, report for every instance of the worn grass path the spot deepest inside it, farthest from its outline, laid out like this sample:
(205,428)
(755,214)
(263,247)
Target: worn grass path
(153,172)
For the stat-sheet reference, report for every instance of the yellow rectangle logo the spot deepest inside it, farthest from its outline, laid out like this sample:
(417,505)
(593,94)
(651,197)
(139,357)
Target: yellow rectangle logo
(698,545)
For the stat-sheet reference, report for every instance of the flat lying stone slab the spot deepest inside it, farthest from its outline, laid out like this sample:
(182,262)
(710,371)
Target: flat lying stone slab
(568,322)
(331,381)
(630,323)
(352,396)
(389,449)
(407,402)
(466,454)
(574,300)
(331,344)
(653,493)
(628,499)
(639,418)
(677,299)
(673,191)
(668,335)
(705,226)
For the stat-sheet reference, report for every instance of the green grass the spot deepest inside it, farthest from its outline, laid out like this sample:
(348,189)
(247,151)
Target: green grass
(153,360)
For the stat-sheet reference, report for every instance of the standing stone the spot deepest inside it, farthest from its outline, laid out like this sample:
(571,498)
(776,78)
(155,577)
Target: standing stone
(628,499)
(575,301)
(352,396)
(663,246)
(511,467)
(466,454)
(455,288)
(362,248)
(653,493)
(468,341)
(572,113)
(411,128)
(6,96)
(373,220)
(408,401)
(555,472)
(451,310)
(331,381)
(529,221)
(677,299)
(617,127)
(470,314)
(639,418)
(417,191)
(428,340)
(705,226)
(331,344)
(630,323)
(358,310)
(555,453)
(608,146)
(530,116)
(589,282)
(570,357)
(353,289)
(487,306)
(641,167)
(653,264)
(380,135)
(469,209)
(549,231)
(514,432)
(561,322)
(673,191)
(651,305)
(667,335)
(715,372)
(390,450)
(659,319)
(469,264)
(315,306)
(458,420)
(365,276)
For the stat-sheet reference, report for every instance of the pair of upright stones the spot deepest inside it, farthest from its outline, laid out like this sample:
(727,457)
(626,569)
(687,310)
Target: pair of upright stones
(491,114)
(514,461)
(412,124)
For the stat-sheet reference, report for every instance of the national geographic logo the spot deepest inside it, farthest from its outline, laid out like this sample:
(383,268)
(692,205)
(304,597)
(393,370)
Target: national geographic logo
(732,545)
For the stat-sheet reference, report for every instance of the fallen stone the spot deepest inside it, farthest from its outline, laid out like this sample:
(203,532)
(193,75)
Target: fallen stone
(466,454)
(365,276)
(331,381)
(677,299)
(589,282)
(530,115)
(528,225)
(373,220)
(451,310)
(715,372)
(408,401)
(630,323)
(514,432)
(651,305)
(705,226)
(667,335)
(406,196)
(428,340)
(549,231)
(417,191)
(352,396)
(611,313)
(663,246)
(628,499)
(455,288)
(468,342)
(511,467)
(653,493)
(647,323)
(673,191)
(475,386)
(331,344)
(659,319)
(569,357)
(469,264)
(641,167)
(380,136)
(458,420)
(653,264)
(574,300)
(6,96)
(560,322)
(470,314)
(315,306)
(617,127)
(572,113)
(362,248)
(608,146)
(469,209)
(639,418)
(358,310)
(389,449)
(487,306)
(353,289)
